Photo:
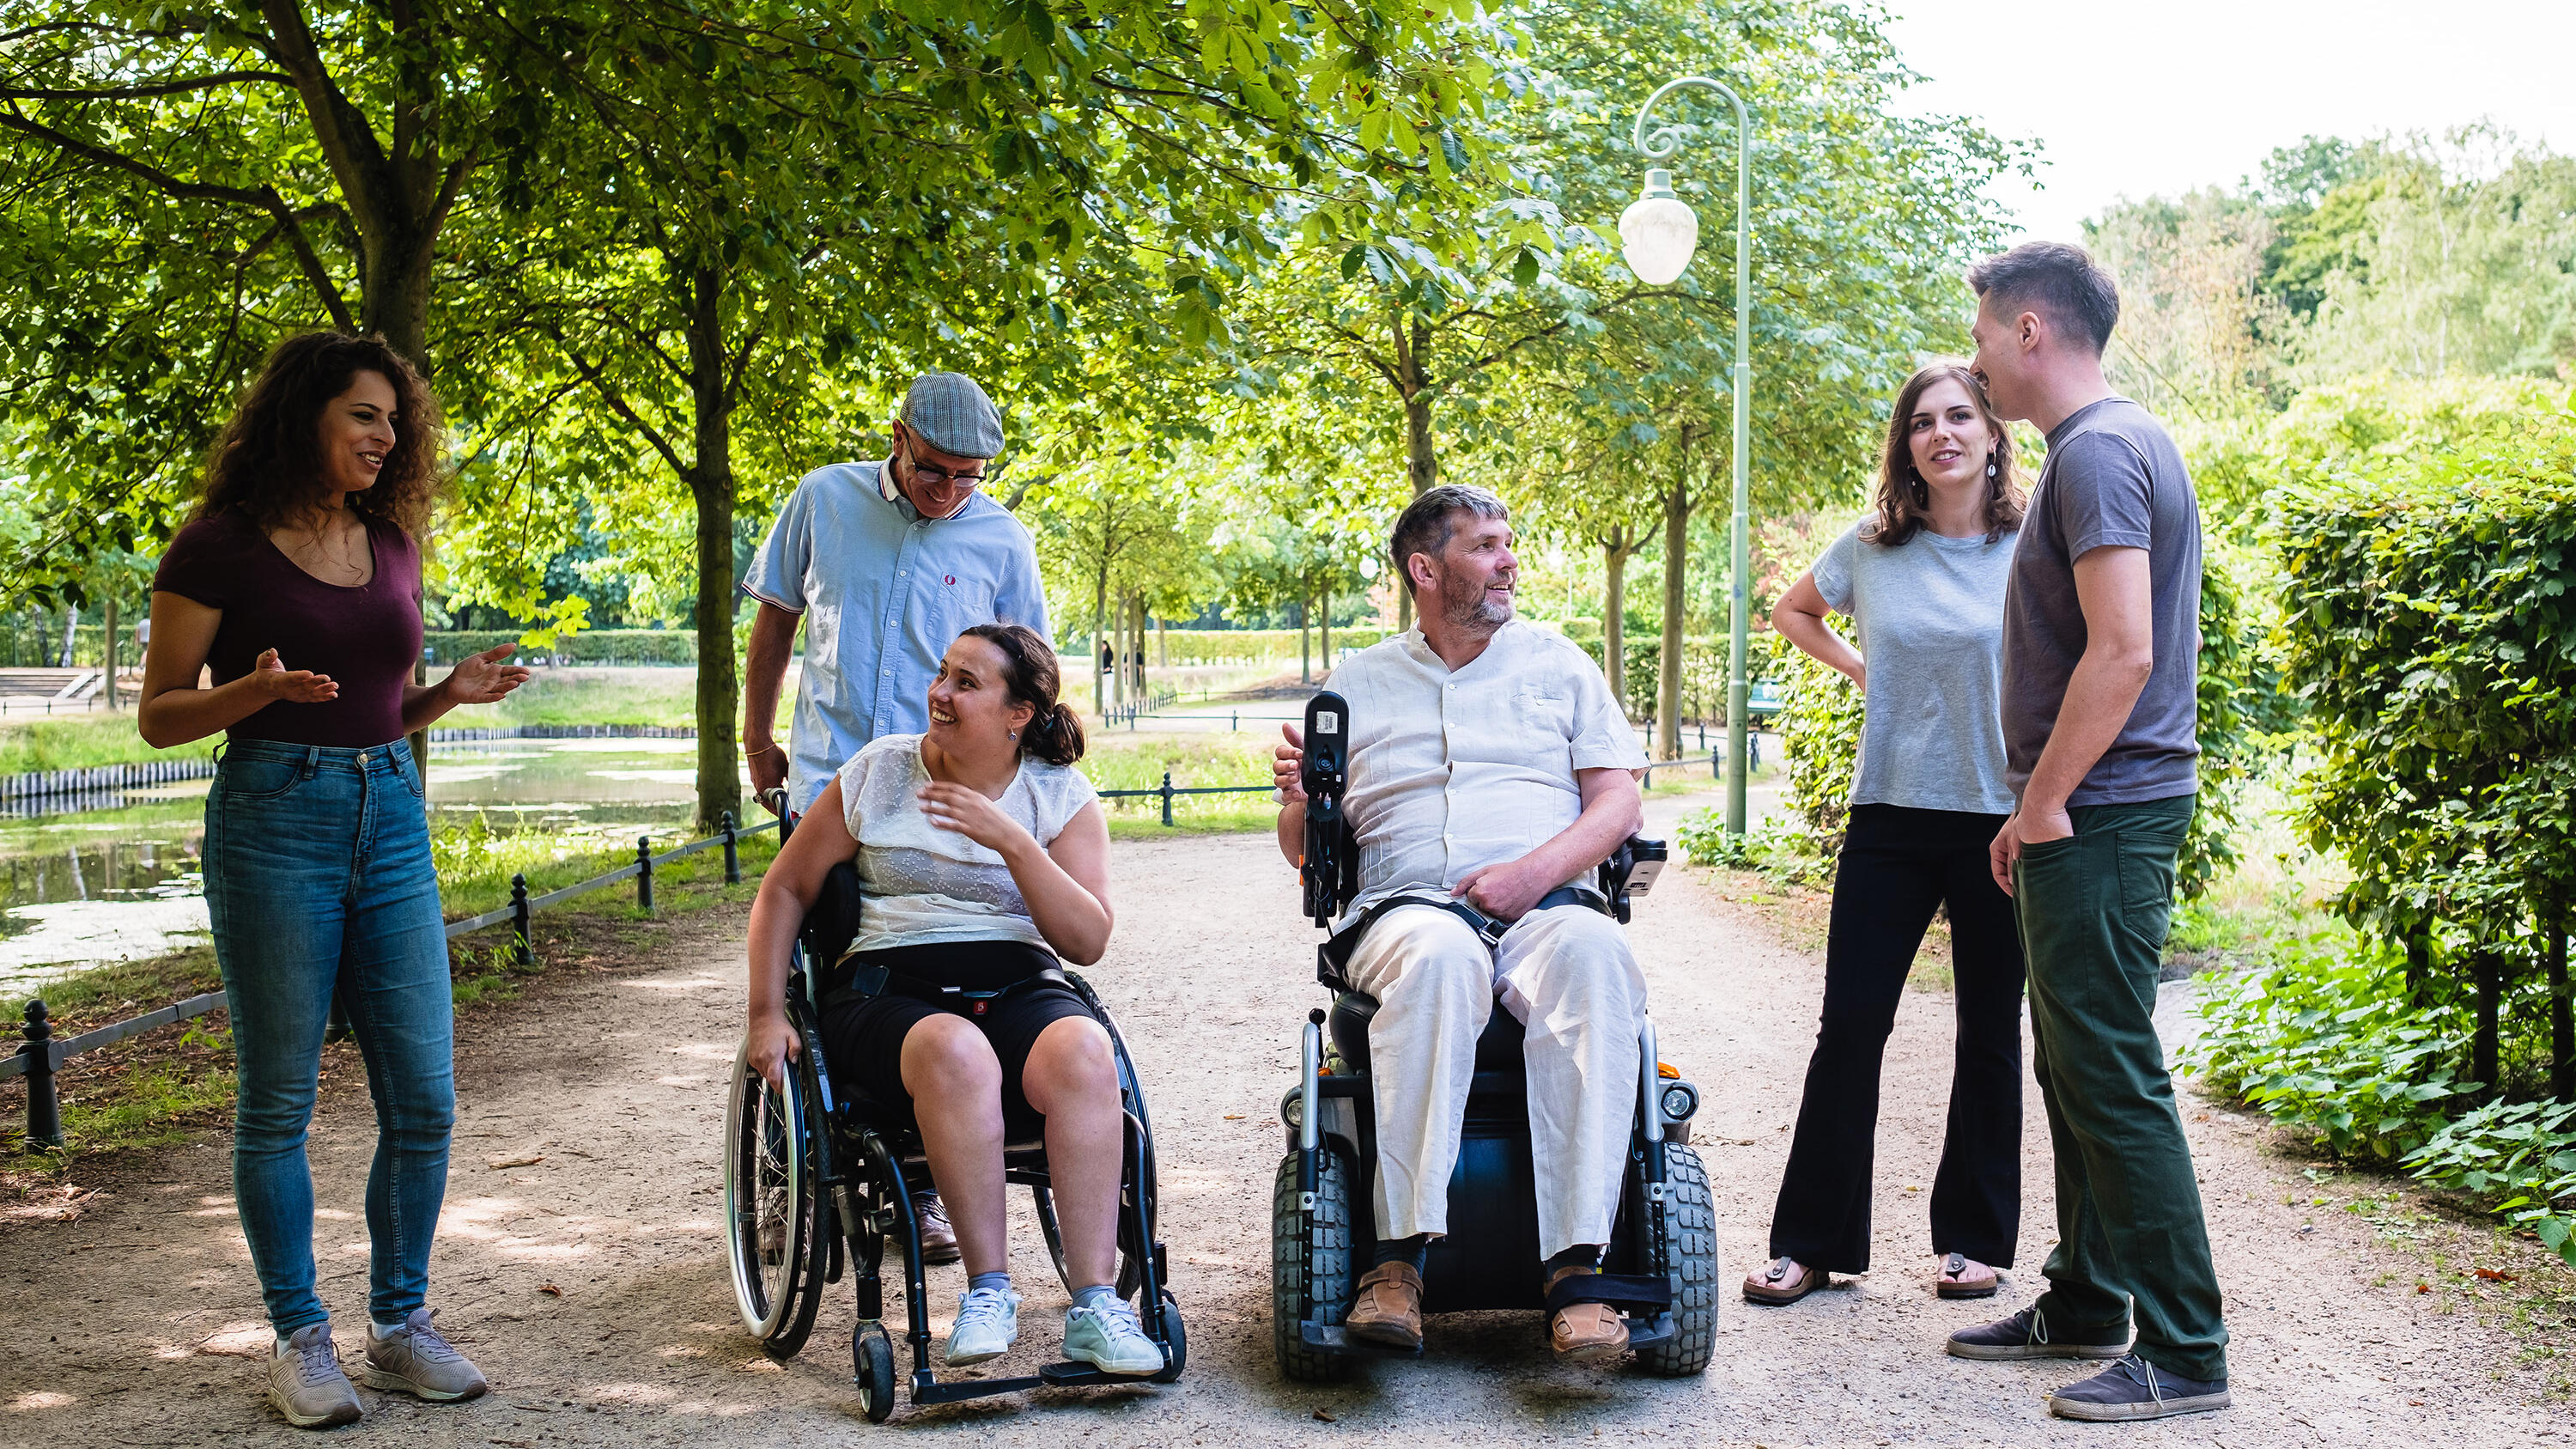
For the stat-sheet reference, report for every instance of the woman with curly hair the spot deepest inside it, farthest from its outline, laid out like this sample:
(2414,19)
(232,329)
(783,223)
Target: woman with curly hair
(1922,578)
(305,551)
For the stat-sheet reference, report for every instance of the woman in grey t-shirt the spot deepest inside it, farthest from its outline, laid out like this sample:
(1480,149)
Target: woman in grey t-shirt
(1922,578)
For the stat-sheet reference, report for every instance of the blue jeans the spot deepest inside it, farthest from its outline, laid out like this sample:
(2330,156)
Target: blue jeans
(318,881)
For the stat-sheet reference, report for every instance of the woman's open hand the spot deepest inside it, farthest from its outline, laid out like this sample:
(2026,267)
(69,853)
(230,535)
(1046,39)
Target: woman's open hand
(966,811)
(483,678)
(295,686)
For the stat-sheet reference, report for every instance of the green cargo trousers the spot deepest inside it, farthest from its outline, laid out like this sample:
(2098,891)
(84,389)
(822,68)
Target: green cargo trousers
(2094,908)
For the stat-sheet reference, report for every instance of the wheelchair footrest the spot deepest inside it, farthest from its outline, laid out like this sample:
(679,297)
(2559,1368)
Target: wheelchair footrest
(1645,1331)
(1332,1338)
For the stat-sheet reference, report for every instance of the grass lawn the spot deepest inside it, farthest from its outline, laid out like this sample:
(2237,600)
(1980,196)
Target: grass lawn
(76,742)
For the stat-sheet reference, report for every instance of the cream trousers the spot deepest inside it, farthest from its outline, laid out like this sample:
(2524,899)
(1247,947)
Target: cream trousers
(1566,973)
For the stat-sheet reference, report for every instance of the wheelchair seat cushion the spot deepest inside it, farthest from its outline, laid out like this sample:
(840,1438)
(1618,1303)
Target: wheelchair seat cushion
(863,1037)
(1497,1050)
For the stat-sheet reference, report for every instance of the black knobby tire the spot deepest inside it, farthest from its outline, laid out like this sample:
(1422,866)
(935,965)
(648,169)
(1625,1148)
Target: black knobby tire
(1310,1266)
(872,1367)
(1690,1258)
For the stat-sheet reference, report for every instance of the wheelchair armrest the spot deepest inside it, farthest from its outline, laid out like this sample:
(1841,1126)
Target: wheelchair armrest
(1631,870)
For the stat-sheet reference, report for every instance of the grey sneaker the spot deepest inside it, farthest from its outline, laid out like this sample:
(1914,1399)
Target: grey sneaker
(2028,1335)
(415,1359)
(305,1382)
(2136,1389)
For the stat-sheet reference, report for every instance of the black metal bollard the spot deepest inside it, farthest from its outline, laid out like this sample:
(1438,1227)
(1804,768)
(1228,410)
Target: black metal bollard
(1167,797)
(519,948)
(733,863)
(644,874)
(1234,721)
(44,1116)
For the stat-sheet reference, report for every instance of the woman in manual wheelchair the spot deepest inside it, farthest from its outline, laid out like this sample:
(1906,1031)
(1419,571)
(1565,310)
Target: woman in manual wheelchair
(980,858)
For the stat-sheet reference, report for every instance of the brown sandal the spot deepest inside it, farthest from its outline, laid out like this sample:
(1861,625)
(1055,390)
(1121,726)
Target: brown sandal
(1773,1287)
(1585,1332)
(1955,1281)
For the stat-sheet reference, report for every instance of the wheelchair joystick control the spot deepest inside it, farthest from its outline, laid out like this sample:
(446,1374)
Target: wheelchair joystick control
(1329,869)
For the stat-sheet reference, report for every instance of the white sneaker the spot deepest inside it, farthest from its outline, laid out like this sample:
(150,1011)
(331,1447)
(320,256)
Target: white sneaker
(1110,1339)
(988,1323)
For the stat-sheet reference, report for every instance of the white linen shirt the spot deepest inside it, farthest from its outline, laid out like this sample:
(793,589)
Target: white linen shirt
(1450,771)
(884,592)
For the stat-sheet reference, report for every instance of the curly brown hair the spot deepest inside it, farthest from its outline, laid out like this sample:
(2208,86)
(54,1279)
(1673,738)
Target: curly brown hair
(1903,507)
(267,461)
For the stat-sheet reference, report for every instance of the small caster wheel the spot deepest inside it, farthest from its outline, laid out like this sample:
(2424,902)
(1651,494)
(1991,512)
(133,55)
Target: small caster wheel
(1176,1343)
(872,1366)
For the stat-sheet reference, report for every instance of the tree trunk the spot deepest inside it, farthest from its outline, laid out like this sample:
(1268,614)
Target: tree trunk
(711,486)
(2482,1053)
(2562,1011)
(71,635)
(1668,682)
(1136,655)
(107,642)
(1305,653)
(1324,632)
(2419,967)
(1100,639)
(1614,609)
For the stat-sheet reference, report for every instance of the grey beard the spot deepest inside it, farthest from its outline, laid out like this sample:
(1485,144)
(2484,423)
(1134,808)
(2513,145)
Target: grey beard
(1474,612)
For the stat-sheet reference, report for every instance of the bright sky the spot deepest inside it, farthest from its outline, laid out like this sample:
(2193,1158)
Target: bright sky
(2134,100)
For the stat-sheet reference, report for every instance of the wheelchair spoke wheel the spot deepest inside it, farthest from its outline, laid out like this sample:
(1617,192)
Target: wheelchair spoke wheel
(1044,1201)
(1689,1258)
(1310,1265)
(775,1234)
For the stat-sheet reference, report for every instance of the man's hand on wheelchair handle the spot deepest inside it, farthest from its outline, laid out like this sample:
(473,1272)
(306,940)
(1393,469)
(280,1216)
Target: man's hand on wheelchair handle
(771,1045)
(1288,766)
(767,763)
(1504,891)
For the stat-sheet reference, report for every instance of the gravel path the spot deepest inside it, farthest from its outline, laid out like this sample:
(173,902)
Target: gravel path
(591,1284)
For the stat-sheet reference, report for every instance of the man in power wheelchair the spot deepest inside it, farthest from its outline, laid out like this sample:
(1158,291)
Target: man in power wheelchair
(907,1009)
(1491,1072)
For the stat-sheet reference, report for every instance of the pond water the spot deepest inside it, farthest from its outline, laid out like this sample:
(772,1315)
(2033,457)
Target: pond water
(78,890)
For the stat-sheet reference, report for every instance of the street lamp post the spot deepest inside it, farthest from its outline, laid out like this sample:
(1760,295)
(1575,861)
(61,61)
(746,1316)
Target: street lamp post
(1658,233)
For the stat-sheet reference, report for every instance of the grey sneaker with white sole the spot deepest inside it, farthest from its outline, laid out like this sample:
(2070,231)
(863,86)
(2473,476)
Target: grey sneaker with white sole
(2028,1334)
(416,1359)
(2135,1389)
(305,1382)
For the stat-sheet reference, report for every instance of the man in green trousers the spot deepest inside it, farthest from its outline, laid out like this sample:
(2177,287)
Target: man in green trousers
(2100,715)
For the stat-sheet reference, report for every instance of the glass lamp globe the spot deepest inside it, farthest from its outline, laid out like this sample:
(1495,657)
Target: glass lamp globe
(1658,232)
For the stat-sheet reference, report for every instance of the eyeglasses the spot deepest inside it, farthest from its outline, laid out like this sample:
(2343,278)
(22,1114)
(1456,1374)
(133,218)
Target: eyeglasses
(935,477)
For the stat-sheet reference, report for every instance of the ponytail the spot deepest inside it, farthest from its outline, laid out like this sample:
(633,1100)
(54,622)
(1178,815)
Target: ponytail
(1054,735)
(1054,732)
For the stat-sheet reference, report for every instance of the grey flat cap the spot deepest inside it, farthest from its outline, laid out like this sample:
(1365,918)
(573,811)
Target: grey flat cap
(953,415)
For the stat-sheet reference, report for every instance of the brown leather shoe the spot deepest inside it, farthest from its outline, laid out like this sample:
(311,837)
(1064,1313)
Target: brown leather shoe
(1386,1307)
(1586,1332)
(938,1239)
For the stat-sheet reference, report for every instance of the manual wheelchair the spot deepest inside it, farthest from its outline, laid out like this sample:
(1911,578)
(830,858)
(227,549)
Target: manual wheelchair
(818,1179)
(1661,1266)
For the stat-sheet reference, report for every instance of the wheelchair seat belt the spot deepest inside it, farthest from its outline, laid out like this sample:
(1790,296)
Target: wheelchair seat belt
(868,982)
(1333,957)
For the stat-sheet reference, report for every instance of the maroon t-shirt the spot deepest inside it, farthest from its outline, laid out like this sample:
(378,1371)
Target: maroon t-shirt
(364,638)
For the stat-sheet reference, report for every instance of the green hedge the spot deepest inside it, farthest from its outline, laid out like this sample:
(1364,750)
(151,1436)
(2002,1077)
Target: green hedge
(1247,646)
(1641,661)
(591,646)
(2430,623)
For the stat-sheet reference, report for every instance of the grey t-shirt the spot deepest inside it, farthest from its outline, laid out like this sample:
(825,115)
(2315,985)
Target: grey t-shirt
(2113,479)
(1930,615)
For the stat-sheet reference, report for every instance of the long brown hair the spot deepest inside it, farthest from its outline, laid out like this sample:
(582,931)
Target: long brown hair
(1904,504)
(1029,671)
(267,461)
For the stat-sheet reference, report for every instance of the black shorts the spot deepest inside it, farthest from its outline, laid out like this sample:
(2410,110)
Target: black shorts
(863,1039)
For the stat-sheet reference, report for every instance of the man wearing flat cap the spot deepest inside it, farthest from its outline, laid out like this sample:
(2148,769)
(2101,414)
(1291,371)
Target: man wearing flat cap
(886,563)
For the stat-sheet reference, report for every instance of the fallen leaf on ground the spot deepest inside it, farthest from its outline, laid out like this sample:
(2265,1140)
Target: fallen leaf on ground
(2492,1276)
(1234,1116)
(1327,1416)
(2423,1287)
(550,1290)
(498,1163)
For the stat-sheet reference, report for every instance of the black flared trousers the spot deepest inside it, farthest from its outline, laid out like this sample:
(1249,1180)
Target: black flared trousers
(1898,865)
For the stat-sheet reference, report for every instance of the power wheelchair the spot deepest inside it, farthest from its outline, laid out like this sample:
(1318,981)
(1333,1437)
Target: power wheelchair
(1661,1267)
(818,1179)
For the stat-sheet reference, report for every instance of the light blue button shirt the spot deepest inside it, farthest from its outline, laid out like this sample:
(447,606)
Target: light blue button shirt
(884,592)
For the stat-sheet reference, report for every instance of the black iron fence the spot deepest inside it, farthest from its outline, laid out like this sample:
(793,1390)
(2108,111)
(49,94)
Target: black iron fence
(42,1054)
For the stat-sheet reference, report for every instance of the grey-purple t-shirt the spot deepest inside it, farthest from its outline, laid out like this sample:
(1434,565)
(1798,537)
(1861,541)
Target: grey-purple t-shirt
(2113,479)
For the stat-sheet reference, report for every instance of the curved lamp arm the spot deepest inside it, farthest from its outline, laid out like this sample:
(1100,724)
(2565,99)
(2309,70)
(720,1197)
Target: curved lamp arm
(1667,139)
